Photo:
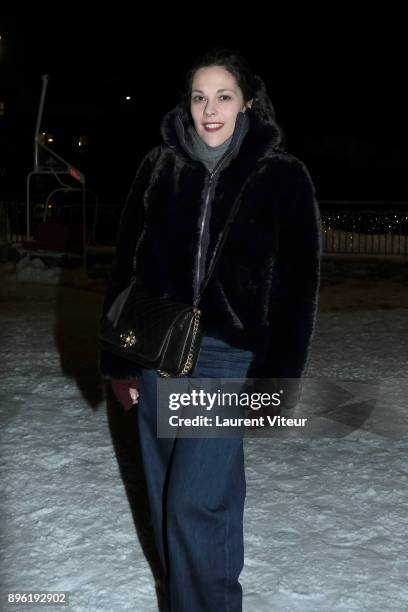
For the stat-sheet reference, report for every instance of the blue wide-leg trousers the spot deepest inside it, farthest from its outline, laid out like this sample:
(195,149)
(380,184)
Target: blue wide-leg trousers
(197,490)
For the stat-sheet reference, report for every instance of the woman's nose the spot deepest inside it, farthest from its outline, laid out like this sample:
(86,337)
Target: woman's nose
(210,108)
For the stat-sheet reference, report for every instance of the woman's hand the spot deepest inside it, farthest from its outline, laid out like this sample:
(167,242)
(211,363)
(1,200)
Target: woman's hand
(126,391)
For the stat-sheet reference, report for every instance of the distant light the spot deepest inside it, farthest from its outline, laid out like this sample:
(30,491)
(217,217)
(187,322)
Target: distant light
(50,139)
(128,98)
(83,140)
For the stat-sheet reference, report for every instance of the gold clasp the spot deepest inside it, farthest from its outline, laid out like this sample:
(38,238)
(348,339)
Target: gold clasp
(128,338)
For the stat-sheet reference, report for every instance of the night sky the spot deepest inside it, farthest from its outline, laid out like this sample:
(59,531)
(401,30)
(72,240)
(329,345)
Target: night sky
(337,82)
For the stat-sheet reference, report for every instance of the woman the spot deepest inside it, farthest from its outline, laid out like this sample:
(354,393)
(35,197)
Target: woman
(221,143)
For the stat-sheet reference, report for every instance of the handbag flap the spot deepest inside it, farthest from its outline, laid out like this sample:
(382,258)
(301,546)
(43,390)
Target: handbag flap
(115,310)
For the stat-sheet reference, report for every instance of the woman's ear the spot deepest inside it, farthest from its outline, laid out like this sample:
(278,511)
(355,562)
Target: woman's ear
(248,105)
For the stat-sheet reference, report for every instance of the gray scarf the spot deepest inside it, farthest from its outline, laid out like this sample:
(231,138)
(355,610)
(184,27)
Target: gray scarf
(207,154)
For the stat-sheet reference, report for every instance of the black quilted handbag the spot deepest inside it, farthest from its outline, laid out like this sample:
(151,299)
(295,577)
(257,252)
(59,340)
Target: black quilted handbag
(157,332)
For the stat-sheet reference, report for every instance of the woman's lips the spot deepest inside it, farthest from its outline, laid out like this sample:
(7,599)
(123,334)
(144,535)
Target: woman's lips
(212,127)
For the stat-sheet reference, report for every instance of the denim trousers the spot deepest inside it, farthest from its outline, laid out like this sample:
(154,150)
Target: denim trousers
(197,489)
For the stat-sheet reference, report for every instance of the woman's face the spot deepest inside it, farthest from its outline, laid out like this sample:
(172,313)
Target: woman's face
(216,99)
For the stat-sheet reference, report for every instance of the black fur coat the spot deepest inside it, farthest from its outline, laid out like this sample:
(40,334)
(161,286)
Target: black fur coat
(263,295)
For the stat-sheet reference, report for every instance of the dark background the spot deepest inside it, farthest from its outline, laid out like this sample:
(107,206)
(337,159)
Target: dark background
(336,79)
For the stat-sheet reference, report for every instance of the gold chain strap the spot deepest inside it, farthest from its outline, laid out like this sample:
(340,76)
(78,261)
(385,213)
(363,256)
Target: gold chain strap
(189,361)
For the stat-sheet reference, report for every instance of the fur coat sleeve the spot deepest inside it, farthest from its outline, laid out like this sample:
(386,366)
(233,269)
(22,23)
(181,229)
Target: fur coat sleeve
(132,216)
(295,278)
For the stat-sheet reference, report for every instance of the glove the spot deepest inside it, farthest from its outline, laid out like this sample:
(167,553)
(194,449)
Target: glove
(126,391)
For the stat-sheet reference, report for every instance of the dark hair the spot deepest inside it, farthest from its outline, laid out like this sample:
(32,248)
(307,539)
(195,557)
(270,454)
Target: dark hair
(229,58)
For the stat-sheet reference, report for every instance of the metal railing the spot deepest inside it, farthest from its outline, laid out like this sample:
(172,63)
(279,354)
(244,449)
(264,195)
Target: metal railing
(364,228)
(12,221)
(348,227)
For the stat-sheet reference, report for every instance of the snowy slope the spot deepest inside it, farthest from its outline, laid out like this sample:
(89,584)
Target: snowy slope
(326,514)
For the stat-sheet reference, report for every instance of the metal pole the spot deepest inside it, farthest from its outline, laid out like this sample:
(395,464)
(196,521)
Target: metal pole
(28,204)
(84,225)
(39,118)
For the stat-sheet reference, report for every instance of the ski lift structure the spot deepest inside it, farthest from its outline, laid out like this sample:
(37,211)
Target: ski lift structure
(60,169)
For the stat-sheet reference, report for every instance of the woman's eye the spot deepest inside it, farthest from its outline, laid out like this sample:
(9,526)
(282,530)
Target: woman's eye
(200,98)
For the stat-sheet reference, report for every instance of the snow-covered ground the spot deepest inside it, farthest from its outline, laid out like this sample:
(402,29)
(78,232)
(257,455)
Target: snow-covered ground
(326,515)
